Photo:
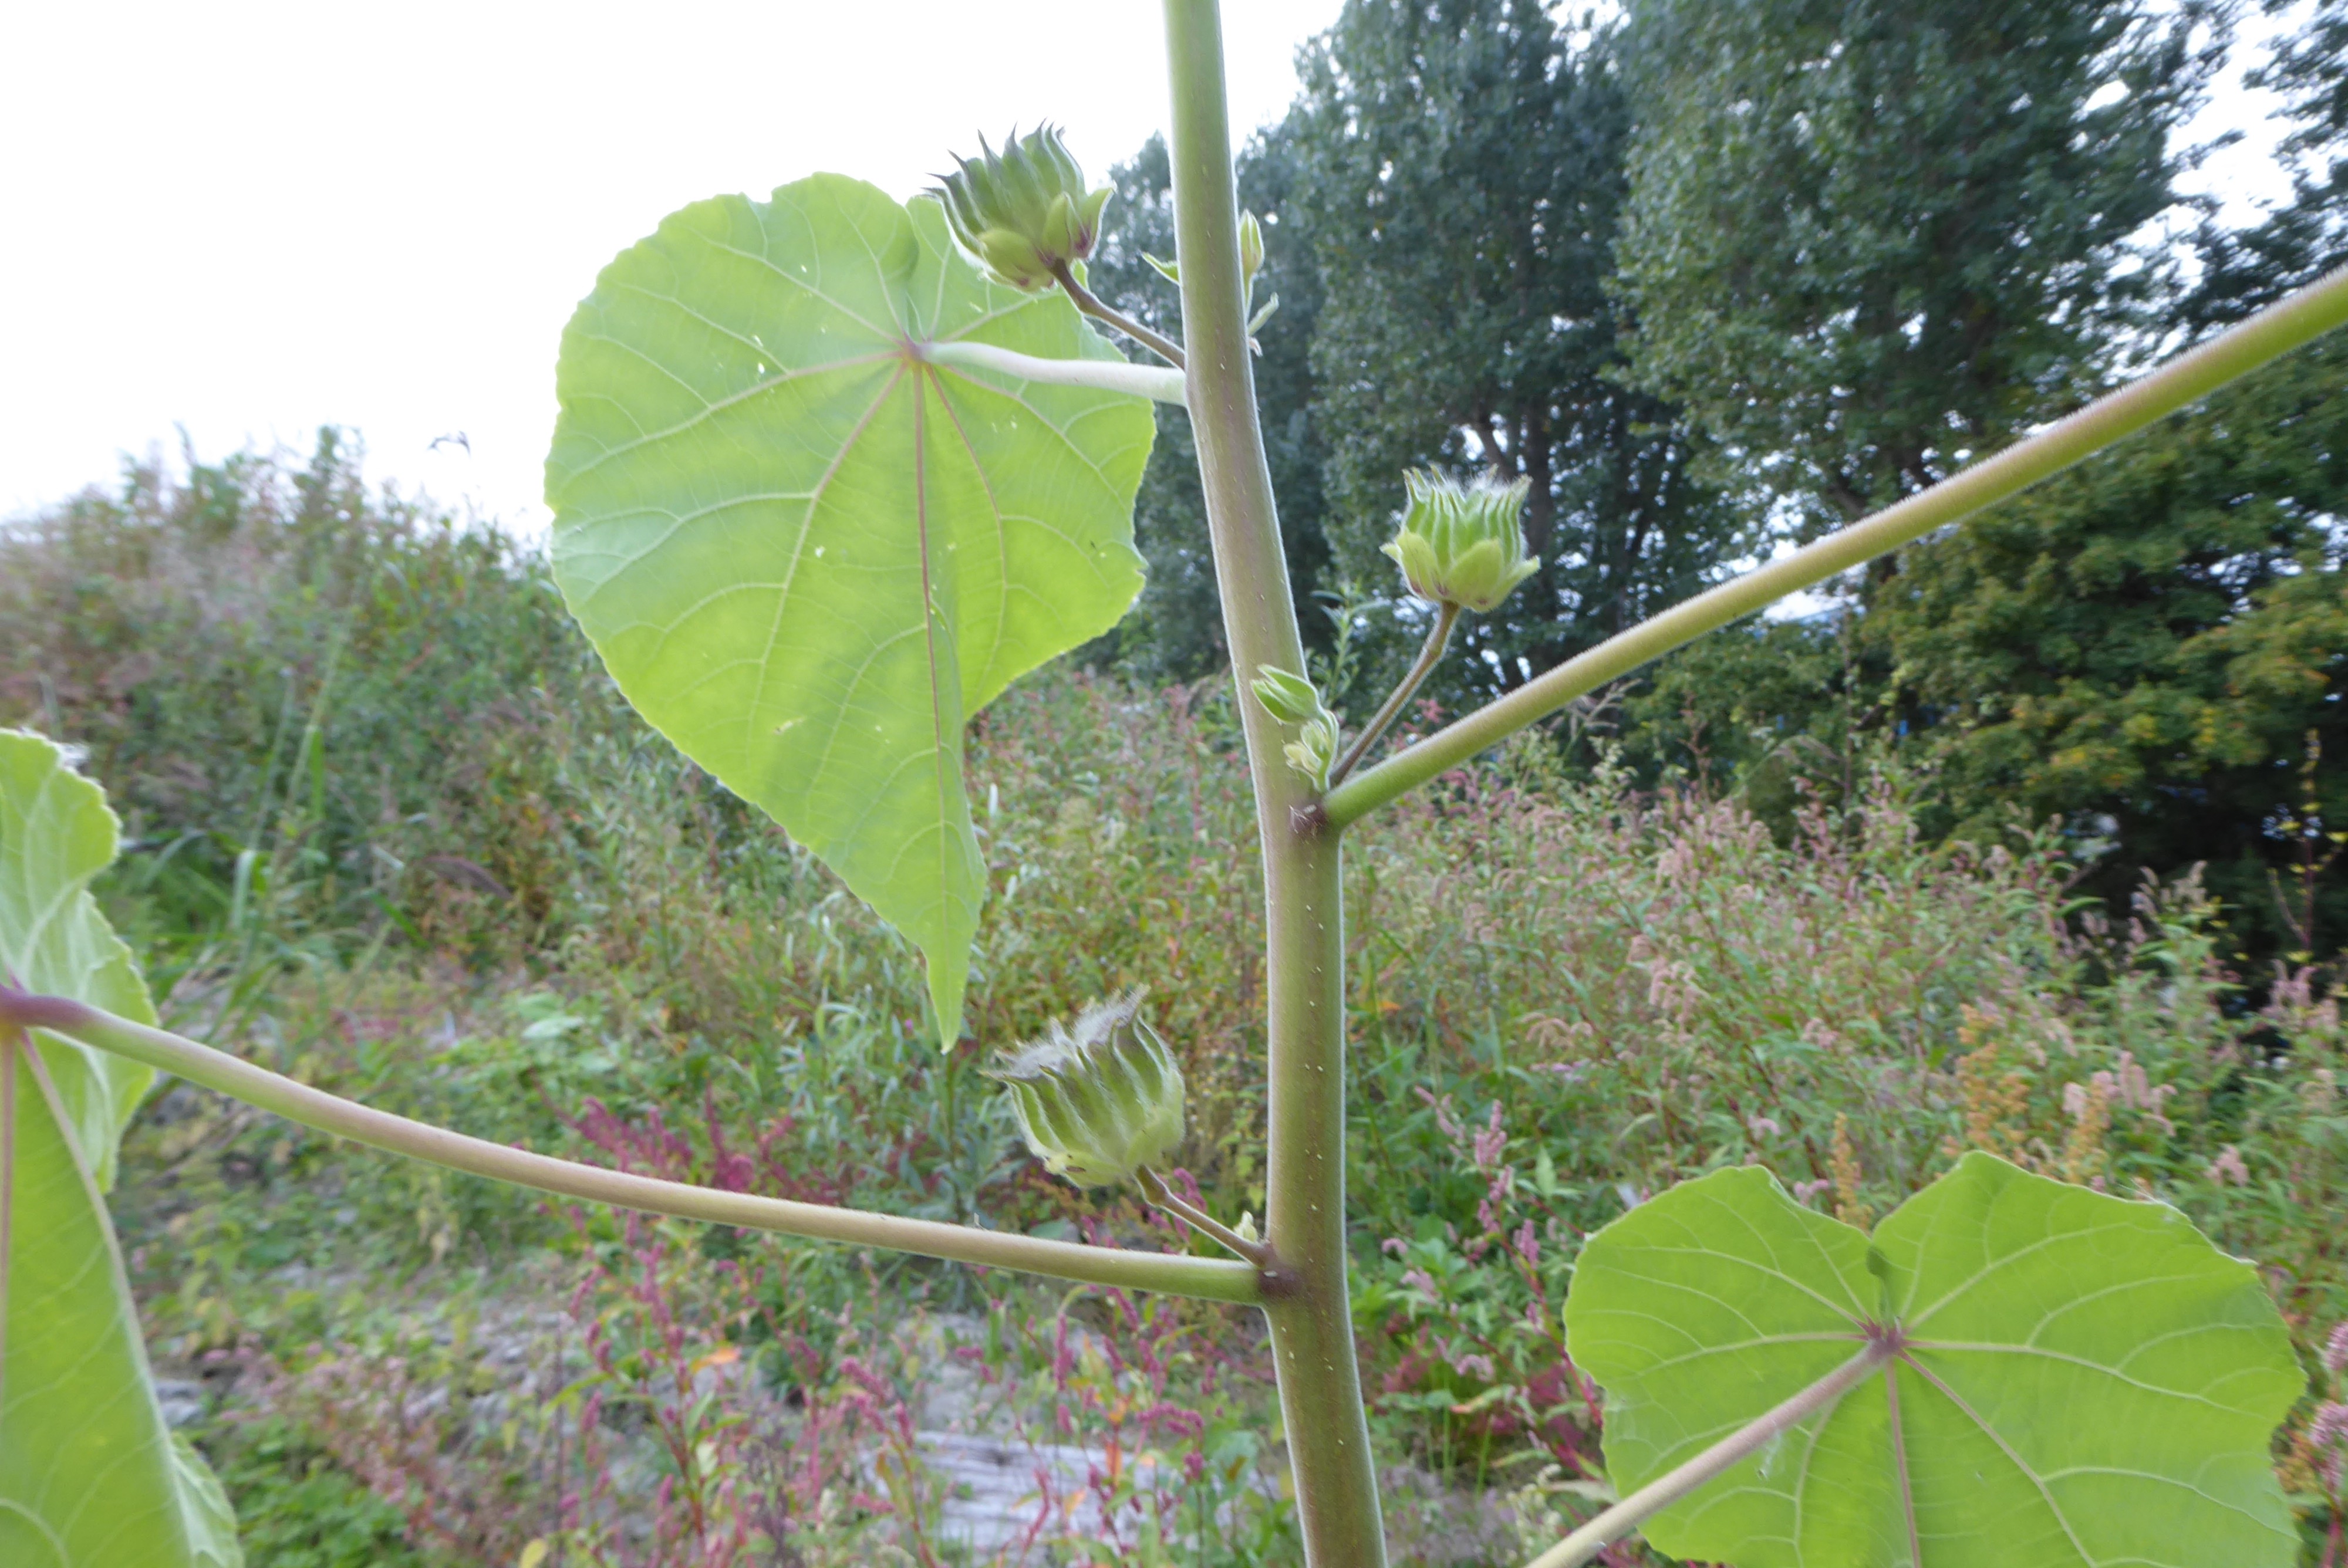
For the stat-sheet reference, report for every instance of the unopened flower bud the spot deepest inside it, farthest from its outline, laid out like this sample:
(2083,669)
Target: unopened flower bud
(1250,248)
(1288,697)
(1461,544)
(1293,700)
(1099,1100)
(1313,752)
(1025,211)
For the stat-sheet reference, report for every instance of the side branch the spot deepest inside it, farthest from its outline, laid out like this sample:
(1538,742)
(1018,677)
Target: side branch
(1206,1278)
(1162,1196)
(1148,381)
(1660,1494)
(1100,309)
(2269,335)
(1430,654)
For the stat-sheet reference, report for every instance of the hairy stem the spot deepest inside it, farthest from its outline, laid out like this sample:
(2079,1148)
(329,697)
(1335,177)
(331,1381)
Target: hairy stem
(1161,1196)
(1100,309)
(1210,1279)
(1660,1494)
(1438,638)
(2272,334)
(1304,1219)
(1106,375)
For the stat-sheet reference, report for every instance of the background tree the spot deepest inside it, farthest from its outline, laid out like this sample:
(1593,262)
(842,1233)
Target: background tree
(1866,241)
(2148,648)
(2145,649)
(1459,174)
(2308,236)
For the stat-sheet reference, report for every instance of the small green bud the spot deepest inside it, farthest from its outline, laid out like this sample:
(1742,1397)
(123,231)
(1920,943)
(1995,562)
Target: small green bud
(1025,211)
(1313,752)
(1250,248)
(1461,544)
(1098,1101)
(1290,698)
(1293,700)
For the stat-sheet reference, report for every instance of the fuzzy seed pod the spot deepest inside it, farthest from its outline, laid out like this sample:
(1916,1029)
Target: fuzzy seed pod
(1461,544)
(1099,1100)
(1024,212)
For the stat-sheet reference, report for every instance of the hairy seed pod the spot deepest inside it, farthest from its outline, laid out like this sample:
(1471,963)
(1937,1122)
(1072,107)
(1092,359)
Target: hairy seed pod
(1098,1099)
(1023,212)
(1461,544)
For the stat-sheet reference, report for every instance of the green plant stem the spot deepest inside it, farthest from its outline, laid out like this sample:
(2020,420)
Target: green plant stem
(1100,309)
(1304,1183)
(1106,375)
(1663,1491)
(1161,1196)
(1438,638)
(1210,1279)
(2272,334)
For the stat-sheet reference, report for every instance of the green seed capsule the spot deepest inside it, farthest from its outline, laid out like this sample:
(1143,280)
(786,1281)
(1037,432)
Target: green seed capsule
(1024,212)
(1461,544)
(1098,1100)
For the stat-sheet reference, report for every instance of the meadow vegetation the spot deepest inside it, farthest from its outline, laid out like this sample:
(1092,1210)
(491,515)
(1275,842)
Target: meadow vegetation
(391,832)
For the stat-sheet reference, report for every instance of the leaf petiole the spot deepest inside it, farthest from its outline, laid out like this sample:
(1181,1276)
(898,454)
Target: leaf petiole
(1149,381)
(1665,1489)
(1206,1279)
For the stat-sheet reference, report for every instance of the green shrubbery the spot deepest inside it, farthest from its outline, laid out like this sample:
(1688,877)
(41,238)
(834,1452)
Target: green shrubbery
(434,864)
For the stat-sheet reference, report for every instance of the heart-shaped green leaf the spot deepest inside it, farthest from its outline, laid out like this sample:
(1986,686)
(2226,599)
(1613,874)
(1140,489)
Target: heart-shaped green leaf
(2079,1380)
(90,1477)
(807,555)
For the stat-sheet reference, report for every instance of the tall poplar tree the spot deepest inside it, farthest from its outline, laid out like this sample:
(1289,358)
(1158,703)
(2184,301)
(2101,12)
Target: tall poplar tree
(1459,174)
(1868,240)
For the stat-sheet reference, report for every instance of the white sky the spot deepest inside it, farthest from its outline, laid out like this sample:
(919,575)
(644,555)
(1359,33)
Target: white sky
(252,219)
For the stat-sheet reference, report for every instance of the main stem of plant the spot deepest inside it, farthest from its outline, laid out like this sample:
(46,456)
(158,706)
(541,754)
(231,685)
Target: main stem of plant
(1312,1325)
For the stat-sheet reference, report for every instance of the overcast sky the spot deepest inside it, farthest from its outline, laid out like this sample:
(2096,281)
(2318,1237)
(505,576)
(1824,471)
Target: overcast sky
(248,219)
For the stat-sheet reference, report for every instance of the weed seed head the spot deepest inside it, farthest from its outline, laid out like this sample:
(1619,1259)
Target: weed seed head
(1099,1098)
(1023,212)
(1461,544)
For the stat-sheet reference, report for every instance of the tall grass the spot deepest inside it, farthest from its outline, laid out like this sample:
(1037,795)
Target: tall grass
(391,829)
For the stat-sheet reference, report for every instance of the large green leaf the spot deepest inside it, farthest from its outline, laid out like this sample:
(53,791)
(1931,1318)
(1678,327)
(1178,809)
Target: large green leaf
(90,1476)
(2085,1380)
(807,554)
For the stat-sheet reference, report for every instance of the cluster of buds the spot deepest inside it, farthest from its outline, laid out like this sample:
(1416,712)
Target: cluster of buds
(1461,545)
(1024,212)
(1100,1100)
(1293,700)
(1250,263)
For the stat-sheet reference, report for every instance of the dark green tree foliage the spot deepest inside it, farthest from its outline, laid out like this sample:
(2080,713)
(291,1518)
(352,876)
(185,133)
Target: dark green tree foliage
(2309,235)
(1176,632)
(1461,171)
(2154,638)
(1866,241)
